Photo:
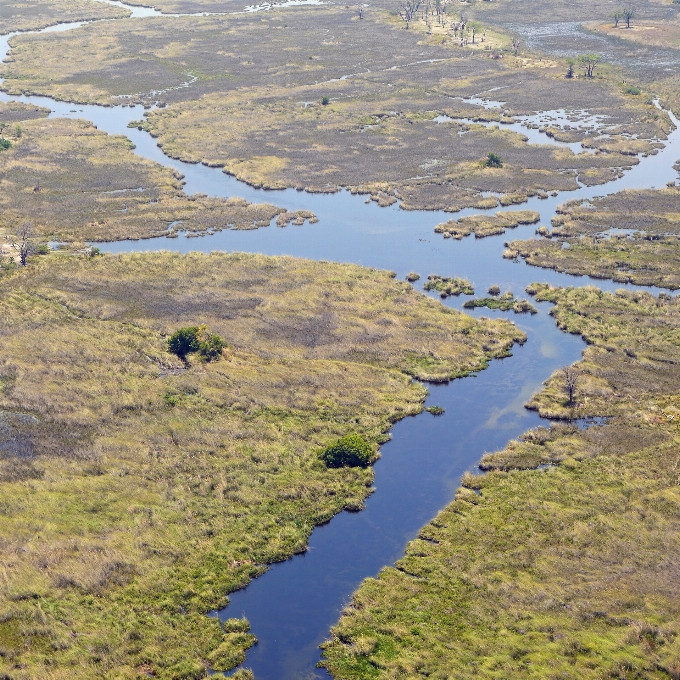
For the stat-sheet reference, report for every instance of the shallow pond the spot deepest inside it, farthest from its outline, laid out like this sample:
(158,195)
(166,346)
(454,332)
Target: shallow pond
(292,607)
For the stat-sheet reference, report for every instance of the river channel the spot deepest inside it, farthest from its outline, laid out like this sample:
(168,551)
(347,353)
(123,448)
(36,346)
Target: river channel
(293,605)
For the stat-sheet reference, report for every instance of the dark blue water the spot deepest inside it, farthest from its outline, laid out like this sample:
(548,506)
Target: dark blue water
(293,606)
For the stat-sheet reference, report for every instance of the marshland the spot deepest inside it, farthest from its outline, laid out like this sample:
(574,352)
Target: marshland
(174,513)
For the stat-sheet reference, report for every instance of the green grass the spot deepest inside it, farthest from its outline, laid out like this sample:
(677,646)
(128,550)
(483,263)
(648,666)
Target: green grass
(136,492)
(563,572)
(505,303)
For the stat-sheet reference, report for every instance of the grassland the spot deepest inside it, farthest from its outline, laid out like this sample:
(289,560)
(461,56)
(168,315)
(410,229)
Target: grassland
(137,491)
(258,114)
(76,183)
(631,237)
(26,16)
(565,571)
(486,225)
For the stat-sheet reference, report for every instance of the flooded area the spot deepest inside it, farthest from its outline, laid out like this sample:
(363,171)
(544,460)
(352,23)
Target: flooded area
(292,607)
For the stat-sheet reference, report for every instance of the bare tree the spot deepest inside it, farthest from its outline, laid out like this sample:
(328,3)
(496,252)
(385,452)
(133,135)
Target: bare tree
(23,242)
(360,12)
(408,10)
(570,377)
(516,44)
(589,62)
(627,14)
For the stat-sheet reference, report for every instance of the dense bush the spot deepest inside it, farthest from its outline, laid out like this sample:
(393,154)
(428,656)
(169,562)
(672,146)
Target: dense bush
(493,160)
(5,143)
(349,451)
(196,339)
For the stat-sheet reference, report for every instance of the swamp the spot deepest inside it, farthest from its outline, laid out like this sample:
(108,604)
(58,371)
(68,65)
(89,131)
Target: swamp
(240,434)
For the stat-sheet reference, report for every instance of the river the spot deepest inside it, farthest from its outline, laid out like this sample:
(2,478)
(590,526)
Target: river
(293,605)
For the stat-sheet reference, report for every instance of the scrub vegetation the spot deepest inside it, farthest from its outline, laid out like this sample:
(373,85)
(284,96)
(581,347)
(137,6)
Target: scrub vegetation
(486,225)
(504,303)
(632,237)
(566,570)
(258,114)
(447,285)
(75,183)
(137,490)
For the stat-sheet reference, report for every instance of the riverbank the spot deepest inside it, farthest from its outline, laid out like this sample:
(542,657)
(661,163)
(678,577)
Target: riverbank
(138,490)
(558,562)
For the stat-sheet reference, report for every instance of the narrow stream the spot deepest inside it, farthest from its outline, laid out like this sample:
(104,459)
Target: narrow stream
(293,605)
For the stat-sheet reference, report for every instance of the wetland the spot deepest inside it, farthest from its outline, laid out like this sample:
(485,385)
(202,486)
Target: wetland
(152,504)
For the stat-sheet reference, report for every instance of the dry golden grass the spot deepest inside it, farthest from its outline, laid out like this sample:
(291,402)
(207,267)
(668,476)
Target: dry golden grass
(25,16)
(76,183)
(136,492)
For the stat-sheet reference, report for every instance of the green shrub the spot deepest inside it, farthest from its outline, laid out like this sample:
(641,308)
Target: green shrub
(325,101)
(435,410)
(349,451)
(493,160)
(5,143)
(632,89)
(184,341)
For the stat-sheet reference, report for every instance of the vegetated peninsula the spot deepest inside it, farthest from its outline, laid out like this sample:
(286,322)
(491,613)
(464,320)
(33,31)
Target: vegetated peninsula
(75,183)
(139,486)
(27,16)
(560,561)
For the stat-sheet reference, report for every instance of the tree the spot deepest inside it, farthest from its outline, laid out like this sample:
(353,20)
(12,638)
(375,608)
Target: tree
(570,67)
(493,160)
(24,242)
(627,13)
(408,10)
(589,62)
(196,339)
(617,16)
(474,27)
(516,44)
(570,377)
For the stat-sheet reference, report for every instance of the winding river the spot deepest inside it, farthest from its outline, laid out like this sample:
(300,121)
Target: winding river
(293,605)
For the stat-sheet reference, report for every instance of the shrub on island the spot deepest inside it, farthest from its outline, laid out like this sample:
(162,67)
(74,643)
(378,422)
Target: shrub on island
(351,450)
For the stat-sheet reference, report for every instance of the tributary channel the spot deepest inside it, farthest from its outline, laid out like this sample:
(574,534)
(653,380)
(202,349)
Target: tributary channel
(292,607)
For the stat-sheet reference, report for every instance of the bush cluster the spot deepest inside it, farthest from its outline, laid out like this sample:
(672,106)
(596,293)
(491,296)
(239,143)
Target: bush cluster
(196,340)
(351,450)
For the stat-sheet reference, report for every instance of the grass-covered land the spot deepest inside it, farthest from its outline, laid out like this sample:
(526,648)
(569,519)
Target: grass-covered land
(504,303)
(258,111)
(76,183)
(632,237)
(137,489)
(16,15)
(564,572)
(486,225)
(448,285)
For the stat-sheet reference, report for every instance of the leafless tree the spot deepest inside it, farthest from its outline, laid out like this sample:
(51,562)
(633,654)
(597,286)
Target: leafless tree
(23,242)
(408,10)
(515,46)
(360,12)
(570,378)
